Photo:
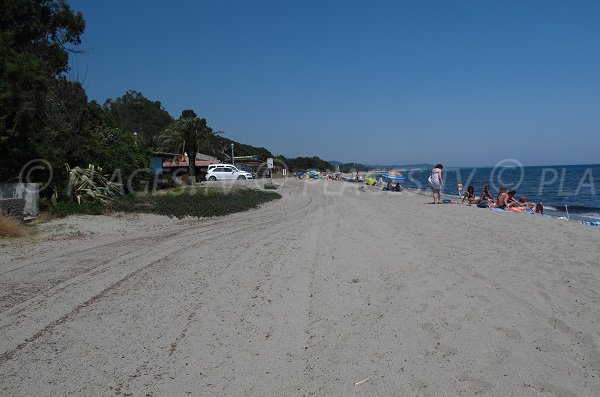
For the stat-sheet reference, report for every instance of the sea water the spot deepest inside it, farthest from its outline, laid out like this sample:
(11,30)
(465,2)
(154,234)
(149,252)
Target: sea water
(572,188)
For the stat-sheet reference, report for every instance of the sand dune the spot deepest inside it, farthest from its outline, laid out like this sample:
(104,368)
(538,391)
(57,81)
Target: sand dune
(329,286)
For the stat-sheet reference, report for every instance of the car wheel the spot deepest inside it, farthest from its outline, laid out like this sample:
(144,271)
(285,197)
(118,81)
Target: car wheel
(241,177)
(212,178)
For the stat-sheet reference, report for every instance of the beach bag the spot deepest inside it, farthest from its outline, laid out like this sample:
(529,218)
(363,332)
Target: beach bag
(483,204)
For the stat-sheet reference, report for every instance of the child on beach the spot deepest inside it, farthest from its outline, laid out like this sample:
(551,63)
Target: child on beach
(459,188)
(539,208)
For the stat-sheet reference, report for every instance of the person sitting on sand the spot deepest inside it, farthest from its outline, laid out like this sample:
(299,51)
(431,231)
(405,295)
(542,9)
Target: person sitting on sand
(470,196)
(501,200)
(529,205)
(486,195)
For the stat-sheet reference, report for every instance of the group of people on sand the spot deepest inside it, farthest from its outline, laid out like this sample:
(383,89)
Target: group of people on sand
(504,200)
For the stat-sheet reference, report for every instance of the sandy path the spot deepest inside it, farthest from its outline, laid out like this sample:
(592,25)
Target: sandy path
(306,295)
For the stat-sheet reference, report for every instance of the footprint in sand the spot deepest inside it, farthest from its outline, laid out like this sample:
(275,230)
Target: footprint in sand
(474,385)
(510,333)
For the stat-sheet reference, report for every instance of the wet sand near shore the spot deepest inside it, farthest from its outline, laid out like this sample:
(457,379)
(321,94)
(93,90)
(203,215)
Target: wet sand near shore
(331,286)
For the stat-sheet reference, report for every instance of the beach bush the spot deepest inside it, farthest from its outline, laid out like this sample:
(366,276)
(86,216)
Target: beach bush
(10,227)
(90,185)
(270,185)
(66,208)
(196,203)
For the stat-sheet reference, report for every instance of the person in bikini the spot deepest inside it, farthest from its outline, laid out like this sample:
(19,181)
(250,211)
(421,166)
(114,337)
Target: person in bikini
(486,195)
(470,196)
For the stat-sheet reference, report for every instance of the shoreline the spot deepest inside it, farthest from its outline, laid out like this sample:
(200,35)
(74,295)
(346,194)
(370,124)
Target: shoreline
(548,210)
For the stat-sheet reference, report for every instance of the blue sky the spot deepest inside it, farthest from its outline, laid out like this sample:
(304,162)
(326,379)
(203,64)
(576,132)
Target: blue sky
(464,83)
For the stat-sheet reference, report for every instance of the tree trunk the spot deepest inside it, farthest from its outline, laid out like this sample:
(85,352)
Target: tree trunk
(192,164)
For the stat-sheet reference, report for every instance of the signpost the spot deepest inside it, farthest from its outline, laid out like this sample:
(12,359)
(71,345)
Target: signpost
(270,167)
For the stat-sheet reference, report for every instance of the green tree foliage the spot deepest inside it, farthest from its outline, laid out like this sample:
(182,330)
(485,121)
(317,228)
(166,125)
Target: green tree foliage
(306,163)
(121,156)
(220,147)
(68,134)
(35,38)
(136,113)
(353,167)
(188,114)
(43,115)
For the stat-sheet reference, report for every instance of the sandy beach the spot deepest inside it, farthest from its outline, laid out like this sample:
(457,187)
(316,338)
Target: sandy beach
(332,290)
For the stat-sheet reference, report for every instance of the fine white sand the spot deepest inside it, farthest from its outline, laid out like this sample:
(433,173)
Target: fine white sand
(307,295)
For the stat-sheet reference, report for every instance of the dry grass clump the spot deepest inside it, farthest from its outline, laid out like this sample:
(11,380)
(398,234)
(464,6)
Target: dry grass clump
(10,227)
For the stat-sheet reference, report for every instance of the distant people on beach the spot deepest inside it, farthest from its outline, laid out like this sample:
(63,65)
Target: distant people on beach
(512,202)
(486,195)
(459,189)
(505,200)
(501,200)
(436,182)
(526,203)
(390,187)
(469,196)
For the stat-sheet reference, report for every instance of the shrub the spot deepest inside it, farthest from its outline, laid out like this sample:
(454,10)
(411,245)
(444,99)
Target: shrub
(89,185)
(270,185)
(10,227)
(66,208)
(196,203)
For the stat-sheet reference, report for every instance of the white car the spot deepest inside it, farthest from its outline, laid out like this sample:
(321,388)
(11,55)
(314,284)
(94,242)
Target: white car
(211,166)
(222,172)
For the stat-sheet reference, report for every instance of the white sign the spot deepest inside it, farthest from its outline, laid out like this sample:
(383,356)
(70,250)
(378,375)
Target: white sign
(269,163)
(284,172)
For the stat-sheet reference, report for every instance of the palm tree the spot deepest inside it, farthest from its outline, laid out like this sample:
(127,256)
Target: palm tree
(186,134)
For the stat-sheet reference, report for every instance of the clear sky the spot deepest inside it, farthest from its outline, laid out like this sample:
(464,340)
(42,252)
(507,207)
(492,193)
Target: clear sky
(464,83)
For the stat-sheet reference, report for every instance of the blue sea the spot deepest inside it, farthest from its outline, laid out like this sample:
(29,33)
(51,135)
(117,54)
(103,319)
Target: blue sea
(572,188)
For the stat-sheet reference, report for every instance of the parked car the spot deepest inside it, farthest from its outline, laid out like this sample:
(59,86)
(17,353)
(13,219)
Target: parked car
(224,172)
(211,166)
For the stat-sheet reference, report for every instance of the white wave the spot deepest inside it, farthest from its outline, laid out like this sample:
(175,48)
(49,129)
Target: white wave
(593,215)
(548,207)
